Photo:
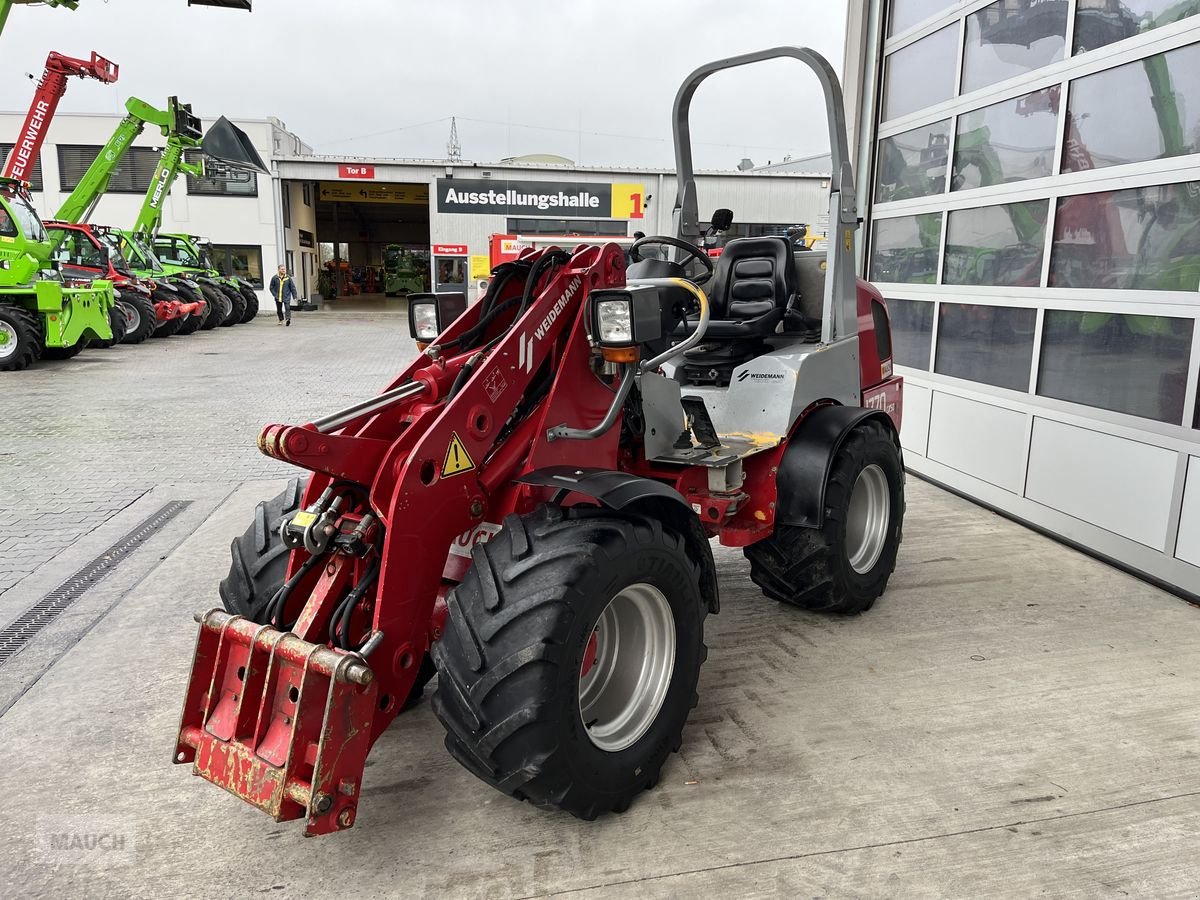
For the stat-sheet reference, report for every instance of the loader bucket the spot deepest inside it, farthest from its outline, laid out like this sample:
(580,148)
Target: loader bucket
(229,145)
(275,720)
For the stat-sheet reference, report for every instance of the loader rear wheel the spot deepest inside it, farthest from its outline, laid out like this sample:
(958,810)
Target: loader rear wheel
(238,307)
(843,566)
(139,318)
(570,658)
(251,298)
(169,328)
(191,324)
(20,338)
(220,307)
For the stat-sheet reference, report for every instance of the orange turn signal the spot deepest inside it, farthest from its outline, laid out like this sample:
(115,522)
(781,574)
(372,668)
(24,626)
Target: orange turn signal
(620,354)
(421,345)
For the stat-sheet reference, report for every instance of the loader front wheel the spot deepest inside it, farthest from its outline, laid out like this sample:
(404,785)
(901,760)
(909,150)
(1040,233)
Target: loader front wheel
(251,298)
(570,658)
(259,566)
(139,318)
(843,566)
(237,307)
(20,338)
(116,322)
(219,307)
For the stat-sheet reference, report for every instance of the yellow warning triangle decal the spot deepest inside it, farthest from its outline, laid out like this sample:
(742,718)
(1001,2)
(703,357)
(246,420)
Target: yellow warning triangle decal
(458,460)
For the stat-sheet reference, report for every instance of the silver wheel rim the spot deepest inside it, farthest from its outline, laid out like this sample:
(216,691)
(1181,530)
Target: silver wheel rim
(868,519)
(8,340)
(627,667)
(133,318)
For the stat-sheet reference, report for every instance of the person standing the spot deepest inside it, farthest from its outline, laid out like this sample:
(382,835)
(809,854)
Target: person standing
(283,292)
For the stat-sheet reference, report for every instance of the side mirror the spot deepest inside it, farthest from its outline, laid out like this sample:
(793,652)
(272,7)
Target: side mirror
(721,219)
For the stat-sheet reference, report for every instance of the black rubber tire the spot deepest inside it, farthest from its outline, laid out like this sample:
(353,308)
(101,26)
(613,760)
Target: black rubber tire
(809,567)
(28,328)
(219,306)
(116,322)
(518,628)
(259,565)
(65,352)
(168,328)
(146,318)
(239,307)
(259,557)
(191,324)
(251,298)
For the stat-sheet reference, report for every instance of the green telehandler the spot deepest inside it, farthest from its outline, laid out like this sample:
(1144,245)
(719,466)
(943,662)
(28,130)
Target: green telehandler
(182,131)
(40,317)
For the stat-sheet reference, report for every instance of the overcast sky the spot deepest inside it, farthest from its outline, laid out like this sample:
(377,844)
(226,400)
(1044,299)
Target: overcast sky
(592,80)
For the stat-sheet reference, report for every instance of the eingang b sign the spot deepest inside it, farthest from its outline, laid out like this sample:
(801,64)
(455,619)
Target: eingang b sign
(568,199)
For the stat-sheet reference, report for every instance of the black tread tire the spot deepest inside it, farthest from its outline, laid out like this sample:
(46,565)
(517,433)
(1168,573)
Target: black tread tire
(217,304)
(147,321)
(28,326)
(239,307)
(116,322)
(518,626)
(259,557)
(65,352)
(808,567)
(251,298)
(168,328)
(259,565)
(191,324)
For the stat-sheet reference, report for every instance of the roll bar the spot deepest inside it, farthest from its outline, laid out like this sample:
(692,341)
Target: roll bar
(841,310)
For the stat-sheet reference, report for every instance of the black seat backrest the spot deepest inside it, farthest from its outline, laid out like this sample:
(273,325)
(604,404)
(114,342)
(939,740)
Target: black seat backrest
(753,276)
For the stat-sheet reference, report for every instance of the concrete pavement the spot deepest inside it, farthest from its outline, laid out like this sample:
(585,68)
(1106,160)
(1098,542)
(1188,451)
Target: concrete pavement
(1012,718)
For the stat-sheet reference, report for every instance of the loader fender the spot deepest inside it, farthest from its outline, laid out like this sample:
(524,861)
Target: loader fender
(804,469)
(633,493)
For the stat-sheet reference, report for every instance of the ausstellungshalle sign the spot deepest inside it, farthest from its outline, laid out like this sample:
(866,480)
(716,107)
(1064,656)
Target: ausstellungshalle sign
(569,199)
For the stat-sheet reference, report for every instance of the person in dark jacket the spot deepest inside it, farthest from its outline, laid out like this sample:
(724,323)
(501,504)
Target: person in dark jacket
(283,292)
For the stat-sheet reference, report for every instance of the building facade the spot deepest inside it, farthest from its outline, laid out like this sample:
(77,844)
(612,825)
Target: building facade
(1031,175)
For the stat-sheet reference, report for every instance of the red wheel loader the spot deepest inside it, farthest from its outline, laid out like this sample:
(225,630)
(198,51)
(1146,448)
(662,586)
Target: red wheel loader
(526,512)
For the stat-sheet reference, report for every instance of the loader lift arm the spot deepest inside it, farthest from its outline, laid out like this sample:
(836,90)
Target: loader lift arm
(50,90)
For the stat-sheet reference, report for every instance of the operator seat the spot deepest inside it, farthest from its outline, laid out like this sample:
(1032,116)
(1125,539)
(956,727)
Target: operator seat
(753,285)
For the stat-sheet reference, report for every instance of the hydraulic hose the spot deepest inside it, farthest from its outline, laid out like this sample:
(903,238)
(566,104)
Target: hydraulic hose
(279,601)
(692,340)
(339,622)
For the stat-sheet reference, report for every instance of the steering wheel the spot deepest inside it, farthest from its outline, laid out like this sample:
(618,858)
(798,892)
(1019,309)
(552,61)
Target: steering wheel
(691,250)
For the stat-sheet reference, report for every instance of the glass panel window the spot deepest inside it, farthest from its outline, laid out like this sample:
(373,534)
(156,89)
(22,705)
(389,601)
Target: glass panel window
(988,344)
(131,176)
(912,331)
(1145,239)
(913,164)
(904,14)
(240,261)
(1129,364)
(920,74)
(996,245)
(1099,23)
(1012,37)
(1008,141)
(1149,109)
(905,249)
